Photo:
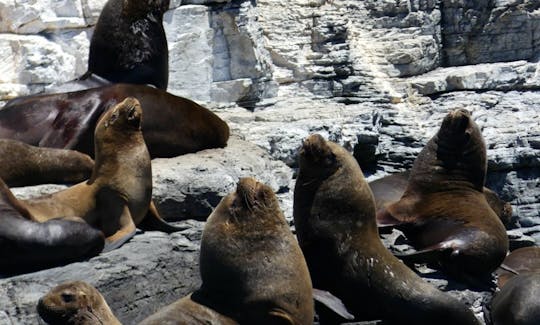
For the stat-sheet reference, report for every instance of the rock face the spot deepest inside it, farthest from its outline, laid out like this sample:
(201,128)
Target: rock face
(376,76)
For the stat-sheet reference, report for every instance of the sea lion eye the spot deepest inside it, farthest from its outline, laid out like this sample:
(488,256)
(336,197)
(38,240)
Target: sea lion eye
(67,297)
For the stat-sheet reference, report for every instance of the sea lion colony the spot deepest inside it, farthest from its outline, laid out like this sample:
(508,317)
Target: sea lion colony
(453,221)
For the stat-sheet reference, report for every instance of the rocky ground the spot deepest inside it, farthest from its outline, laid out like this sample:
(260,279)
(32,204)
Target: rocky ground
(375,76)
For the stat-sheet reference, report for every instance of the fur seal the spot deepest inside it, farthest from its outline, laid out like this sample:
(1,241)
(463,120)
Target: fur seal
(444,212)
(520,261)
(389,189)
(334,215)
(252,268)
(129,44)
(172,125)
(117,196)
(28,246)
(24,165)
(75,303)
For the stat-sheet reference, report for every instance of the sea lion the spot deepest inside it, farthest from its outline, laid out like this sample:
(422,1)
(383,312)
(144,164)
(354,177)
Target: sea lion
(117,196)
(129,44)
(444,212)
(521,261)
(75,303)
(389,189)
(24,165)
(252,268)
(517,301)
(334,216)
(28,246)
(172,125)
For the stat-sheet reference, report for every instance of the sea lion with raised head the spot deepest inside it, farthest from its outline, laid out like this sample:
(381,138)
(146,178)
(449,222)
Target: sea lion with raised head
(129,44)
(252,268)
(444,211)
(171,126)
(27,246)
(389,189)
(24,165)
(334,215)
(75,303)
(117,196)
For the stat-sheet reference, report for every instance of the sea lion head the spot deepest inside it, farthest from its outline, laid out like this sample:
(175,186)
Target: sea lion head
(458,126)
(125,116)
(317,158)
(252,201)
(74,303)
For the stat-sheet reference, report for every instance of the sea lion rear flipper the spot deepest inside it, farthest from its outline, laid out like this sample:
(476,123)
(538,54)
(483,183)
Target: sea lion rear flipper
(119,238)
(153,221)
(332,302)
(71,123)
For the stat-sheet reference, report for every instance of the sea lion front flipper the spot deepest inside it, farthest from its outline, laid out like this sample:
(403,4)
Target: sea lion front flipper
(120,237)
(71,123)
(397,213)
(153,221)
(332,302)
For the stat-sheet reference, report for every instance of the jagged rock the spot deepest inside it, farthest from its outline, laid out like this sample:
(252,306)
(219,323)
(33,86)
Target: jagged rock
(192,185)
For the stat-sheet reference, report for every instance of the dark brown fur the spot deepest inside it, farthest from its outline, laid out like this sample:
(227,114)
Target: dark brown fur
(129,44)
(444,211)
(24,165)
(334,215)
(172,125)
(252,269)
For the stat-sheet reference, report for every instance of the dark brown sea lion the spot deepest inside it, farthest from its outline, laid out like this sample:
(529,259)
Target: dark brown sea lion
(129,44)
(252,268)
(444,211)
(117,196)
(389,189)
(75,303)
(172,125)
(24,165)
(521,261)
(517,303)
(27,246)
(334,215)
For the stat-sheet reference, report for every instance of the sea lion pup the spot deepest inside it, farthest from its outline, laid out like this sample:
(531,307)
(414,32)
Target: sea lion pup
(252,268)
(129,44)
(75,303)
(172,125)
(334,215)
(444,211)
(28,246)
(24,165)
(389,189)
(117,196)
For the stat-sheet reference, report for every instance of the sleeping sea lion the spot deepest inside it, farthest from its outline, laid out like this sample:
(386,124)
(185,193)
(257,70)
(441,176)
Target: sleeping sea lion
(129,44)
(334,215)
(75,303)
(444,212)
(28,246)
(117,196)
(172,125)
(252,268)
(24,165)
(389,189)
